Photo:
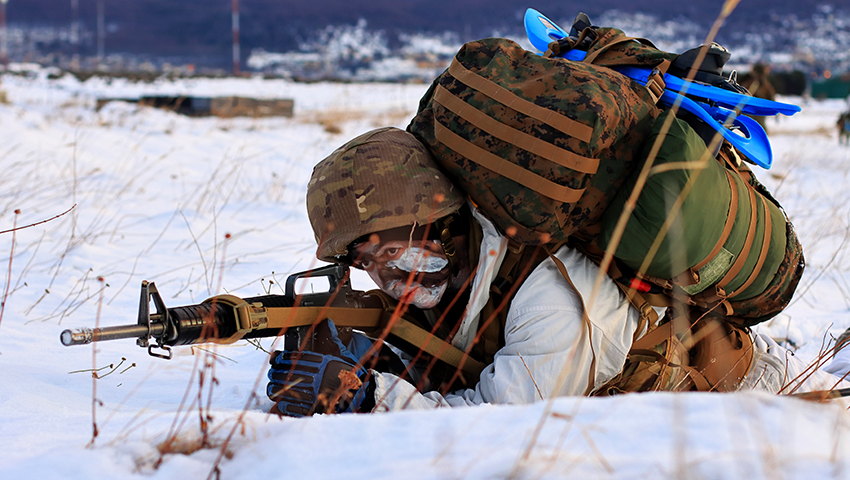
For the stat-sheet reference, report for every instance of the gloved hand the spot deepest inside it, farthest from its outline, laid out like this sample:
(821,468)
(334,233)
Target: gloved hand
(304,383)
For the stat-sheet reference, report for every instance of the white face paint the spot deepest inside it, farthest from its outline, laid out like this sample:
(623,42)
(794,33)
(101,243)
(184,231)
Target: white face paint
(418,295)
(417,259)
(415,275)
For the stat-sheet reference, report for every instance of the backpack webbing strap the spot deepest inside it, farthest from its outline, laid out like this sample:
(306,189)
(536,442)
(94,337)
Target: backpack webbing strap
(518,263)
(748,244)
(505,168)
(648,315)
(594,54)
(563,45)
(698,378)
(477,118)
(641,301)
(507,271)
(646,350)
(762,254)
(727,227)
(591,375)
(554,119)
(368,318)
(655,84)
(651,356)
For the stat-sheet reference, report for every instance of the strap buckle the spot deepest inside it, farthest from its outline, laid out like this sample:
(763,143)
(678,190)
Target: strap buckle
(656,84)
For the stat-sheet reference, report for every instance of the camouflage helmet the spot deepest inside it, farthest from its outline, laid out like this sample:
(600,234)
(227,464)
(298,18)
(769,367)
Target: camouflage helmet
(382,179)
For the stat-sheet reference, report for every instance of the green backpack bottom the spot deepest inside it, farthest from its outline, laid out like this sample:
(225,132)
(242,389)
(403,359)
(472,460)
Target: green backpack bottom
(703,228)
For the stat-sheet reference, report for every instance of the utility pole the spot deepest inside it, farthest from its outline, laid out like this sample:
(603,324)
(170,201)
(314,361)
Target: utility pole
(75,34)
(236,56)
(101,33)
(4,54)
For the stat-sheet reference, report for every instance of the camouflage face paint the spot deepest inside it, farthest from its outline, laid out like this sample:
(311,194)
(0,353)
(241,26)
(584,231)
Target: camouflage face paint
(413,274)
(418,260)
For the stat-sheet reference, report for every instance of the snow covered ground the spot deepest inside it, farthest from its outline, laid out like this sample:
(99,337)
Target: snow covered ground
(156,194)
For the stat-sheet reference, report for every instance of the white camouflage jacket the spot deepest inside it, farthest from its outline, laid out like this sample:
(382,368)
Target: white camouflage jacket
(548,350)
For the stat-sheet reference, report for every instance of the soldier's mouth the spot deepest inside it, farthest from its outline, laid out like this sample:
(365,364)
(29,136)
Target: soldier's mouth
(423,279)
(418,295)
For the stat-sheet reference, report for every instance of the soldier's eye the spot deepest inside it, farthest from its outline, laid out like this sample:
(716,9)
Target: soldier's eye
(361,264)
(393,251)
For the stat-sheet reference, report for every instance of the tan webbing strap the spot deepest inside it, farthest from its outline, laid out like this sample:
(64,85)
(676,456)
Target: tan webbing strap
(591,375)
(765,244)
(648,315)
(556,47)
(539,147)
(655,83)
(506,97)
(655,337)
(653,299)
(698,379)
(646,356)
(727,227)
(286,317)
(748,243)
(593,55)
(512,257)
(647,345)
(505,168)
(731,157)
(437,347)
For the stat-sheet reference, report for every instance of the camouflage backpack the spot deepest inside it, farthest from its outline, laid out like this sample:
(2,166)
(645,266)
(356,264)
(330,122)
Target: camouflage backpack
(544,145)
(540,144)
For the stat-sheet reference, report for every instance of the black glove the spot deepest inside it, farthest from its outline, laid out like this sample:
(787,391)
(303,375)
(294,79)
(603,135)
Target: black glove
(304,383)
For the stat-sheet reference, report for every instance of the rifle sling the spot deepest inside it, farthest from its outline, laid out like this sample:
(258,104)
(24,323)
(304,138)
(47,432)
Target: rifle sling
(375,318)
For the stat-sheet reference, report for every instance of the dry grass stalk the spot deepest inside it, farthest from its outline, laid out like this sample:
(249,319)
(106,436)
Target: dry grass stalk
(94,377)
(9,272)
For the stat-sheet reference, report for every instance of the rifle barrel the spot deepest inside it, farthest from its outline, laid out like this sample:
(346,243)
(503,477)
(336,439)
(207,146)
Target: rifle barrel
(84,336)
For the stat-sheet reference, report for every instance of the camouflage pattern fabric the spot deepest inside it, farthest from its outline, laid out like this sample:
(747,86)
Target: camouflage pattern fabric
(641,52)
(601,117)
(380,180)
(610,46)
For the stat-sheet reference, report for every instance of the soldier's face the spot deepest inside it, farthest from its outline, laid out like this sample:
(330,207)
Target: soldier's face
(409,270)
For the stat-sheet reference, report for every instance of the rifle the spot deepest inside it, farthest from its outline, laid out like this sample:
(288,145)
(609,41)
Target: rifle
(226,319)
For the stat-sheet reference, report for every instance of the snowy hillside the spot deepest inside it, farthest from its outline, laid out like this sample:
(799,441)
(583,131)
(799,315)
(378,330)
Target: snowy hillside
(156,196)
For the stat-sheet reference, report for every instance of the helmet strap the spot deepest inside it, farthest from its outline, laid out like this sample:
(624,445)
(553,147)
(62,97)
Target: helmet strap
(449,227)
